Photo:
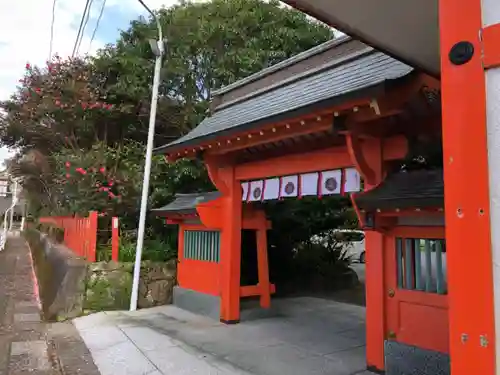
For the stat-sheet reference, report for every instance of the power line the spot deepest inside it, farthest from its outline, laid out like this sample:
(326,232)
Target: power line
(103,5)
(147,8)
(84,26)
(52,28)
(87,4)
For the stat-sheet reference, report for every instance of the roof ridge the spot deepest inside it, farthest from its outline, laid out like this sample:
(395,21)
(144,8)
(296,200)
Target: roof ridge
(283,64)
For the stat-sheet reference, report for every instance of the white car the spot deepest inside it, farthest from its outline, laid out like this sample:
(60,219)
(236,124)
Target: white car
(355,248)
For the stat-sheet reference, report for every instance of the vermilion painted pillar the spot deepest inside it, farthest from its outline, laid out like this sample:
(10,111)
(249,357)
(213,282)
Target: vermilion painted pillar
(466,144)
(368,161)
(263,268)
(231,249)
(374,284)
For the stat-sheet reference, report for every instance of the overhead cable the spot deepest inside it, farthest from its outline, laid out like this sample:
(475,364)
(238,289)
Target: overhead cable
(103,5)
(80,28)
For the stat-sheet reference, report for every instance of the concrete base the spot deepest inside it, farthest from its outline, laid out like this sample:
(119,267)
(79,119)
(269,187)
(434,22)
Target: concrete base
(401,359)
(196,302)
(312,336)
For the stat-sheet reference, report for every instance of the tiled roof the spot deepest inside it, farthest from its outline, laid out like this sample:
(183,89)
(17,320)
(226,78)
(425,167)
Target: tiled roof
(413,189)
(186,203)
(285,63)
(339,80)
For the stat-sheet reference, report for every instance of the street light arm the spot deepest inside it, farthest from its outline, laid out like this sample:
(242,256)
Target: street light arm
(158,25)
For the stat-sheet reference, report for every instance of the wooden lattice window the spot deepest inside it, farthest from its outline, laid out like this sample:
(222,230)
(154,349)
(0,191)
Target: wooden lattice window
(202,245)
(421,265)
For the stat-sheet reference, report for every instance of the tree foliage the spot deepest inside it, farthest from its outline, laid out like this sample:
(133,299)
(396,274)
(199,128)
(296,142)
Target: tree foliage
(92,113)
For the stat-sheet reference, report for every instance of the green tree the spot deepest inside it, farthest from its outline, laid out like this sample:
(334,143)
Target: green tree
(94,111)
(209,45)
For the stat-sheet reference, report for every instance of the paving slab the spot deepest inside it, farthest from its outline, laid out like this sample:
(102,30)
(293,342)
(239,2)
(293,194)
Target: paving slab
(123,358)
(29,356)
(27,318)
(302,336)
(27,343)
(103,337)
(23,346)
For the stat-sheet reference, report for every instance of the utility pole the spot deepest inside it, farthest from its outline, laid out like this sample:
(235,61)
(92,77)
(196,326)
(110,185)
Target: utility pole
(158,49)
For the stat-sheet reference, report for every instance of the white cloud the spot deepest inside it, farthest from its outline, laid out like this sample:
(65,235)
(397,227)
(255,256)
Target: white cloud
(25,32)
(25,35)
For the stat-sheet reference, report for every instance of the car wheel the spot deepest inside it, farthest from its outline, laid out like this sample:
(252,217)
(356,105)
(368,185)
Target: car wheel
(362,257)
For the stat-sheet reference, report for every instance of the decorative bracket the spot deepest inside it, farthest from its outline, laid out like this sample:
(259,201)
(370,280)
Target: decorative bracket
(215,172)
(355,149)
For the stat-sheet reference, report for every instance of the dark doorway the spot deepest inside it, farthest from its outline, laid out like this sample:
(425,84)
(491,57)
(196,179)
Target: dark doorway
(249,265)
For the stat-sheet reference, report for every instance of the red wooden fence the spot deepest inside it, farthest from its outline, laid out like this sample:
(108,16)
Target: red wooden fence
(115,239)
(80,234)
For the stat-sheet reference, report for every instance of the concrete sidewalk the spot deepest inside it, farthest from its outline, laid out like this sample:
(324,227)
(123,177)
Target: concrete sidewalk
(300,336)
(28,345)
(23,344)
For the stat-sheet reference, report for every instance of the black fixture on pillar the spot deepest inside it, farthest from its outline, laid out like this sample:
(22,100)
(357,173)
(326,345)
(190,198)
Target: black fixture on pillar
(461,53)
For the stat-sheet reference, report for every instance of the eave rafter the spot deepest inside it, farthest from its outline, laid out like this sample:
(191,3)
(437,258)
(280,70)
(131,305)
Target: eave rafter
(392,103)
(315,122)
(354,116)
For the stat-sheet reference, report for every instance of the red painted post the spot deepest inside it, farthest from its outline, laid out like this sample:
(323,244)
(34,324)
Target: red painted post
(77,238)
(92,236)
(115,238)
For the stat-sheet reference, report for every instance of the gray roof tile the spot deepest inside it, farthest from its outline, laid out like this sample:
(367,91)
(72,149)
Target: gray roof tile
(330,83)
(412,189)
(184,203)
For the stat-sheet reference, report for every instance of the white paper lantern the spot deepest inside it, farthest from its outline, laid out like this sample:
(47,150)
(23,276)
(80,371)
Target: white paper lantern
(245,187)
(309,184)
(289,186)
(331,182)
(271,189)
(256,191)
(352,180)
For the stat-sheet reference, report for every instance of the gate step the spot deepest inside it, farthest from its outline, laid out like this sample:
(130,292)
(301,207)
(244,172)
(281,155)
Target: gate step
(402,359)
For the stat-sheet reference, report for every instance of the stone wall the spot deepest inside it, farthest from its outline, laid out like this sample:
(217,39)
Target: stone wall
(70,286)
(109,285)
(61,276)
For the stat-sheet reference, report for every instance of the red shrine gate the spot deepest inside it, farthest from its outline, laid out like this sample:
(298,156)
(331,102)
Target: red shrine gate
(279,135)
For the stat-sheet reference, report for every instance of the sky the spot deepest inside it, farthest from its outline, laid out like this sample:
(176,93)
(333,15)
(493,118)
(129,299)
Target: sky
(25,27)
